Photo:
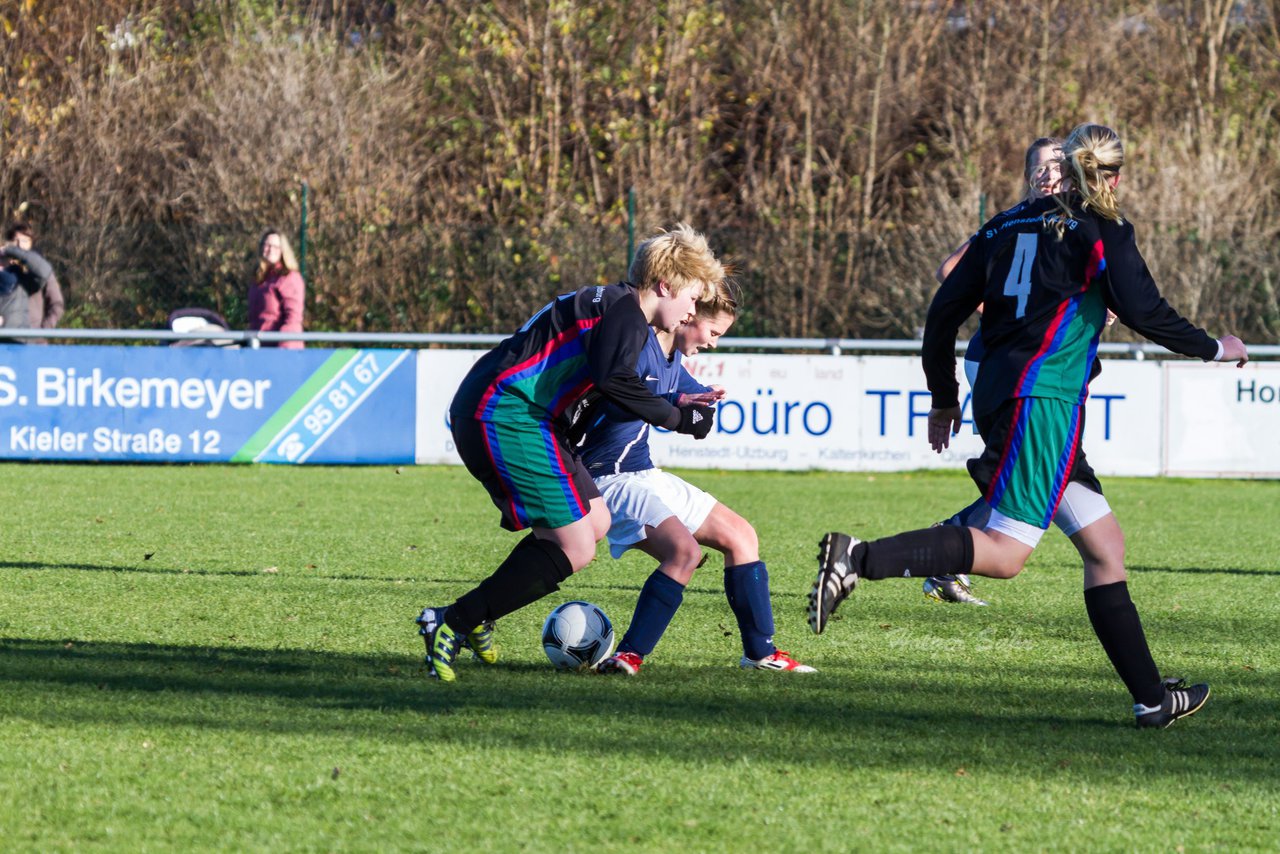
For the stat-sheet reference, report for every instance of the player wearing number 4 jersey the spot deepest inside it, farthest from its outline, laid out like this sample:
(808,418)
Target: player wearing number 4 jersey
(511,417)
(1047,274)
(1082,503)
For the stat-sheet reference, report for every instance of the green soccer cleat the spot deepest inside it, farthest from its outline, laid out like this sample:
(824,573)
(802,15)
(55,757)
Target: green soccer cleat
(480,640)
(443,645)
(444,652)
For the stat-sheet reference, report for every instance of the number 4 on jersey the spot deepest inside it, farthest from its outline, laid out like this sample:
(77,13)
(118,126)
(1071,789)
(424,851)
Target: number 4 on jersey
(1018,282)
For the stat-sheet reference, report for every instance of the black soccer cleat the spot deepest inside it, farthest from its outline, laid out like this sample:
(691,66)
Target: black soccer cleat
(1179,701)
(836,579)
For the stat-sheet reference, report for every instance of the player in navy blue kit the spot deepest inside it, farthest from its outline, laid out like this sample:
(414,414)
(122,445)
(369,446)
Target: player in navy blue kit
(1047,273)
(1042,173)
(511,418)
(670,519)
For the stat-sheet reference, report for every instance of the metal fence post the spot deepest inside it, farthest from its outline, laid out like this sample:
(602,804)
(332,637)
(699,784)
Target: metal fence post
(631,225)
(302,233)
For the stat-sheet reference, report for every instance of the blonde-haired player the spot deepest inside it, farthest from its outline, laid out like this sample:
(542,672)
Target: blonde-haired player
(511,416)
(1047,276)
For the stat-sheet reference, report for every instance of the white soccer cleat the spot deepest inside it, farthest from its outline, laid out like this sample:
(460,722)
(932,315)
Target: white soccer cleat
(951,588)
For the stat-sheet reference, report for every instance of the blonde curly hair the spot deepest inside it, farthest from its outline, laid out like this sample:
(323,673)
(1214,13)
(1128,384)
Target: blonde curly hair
(680,257)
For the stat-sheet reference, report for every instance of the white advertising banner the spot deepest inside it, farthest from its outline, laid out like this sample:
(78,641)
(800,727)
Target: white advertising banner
(1123,419)
(1223,421)
(845,413)
(440,372)
(869,413)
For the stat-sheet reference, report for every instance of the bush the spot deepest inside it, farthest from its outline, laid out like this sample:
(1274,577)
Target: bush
(467,161)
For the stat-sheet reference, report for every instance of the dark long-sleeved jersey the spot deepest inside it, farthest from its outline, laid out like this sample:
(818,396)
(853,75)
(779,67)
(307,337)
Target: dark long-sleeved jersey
(583,342)
(616,441)
(1045,302)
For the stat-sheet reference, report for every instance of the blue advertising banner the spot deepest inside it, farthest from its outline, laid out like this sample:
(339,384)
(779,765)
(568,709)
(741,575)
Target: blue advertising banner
(206,404)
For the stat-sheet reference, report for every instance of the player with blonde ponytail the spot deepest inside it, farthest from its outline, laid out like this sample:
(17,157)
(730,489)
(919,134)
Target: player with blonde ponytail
(1091,161)
(1047,273)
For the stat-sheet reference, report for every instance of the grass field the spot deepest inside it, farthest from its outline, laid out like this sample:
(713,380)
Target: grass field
(224,658)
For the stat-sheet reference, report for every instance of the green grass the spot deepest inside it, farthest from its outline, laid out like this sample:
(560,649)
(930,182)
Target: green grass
(223,658)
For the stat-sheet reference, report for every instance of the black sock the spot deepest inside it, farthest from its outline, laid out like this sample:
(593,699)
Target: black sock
(1115,621)
(533,569)
(944,550)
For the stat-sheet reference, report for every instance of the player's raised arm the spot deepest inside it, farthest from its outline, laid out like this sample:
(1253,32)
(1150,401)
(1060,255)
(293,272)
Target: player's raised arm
(1133,295)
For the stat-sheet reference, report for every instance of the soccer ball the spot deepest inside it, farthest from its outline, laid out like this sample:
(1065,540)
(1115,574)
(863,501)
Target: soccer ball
(577,635)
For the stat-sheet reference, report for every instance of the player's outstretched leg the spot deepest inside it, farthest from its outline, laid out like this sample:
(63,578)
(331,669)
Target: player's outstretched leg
(836,579)
(843,560)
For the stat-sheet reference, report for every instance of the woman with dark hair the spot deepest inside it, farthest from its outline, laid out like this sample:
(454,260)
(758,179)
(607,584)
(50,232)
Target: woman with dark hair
(1042,173)
(45,304)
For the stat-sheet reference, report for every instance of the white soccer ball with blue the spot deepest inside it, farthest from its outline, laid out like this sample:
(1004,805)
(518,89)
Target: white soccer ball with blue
(577,635)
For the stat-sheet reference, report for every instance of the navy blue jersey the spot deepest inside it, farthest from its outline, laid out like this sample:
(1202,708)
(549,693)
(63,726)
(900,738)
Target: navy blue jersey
(1045,298)
(582,343)
(617,441)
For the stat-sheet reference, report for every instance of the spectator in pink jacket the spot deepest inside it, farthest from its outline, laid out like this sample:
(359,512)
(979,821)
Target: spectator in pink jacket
(276,297)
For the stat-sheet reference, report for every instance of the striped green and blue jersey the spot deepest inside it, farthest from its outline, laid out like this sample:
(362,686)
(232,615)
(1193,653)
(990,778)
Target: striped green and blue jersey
(1045,299)
(583,343)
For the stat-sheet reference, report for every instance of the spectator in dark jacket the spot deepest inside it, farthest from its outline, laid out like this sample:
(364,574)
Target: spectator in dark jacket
(44,294)
(13,303)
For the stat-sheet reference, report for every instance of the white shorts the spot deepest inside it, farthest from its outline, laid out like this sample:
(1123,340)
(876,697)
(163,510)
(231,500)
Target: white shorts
(1080,508)
(648,498)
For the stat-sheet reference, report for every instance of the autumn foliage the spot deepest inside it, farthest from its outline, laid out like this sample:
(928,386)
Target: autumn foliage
(465,161)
